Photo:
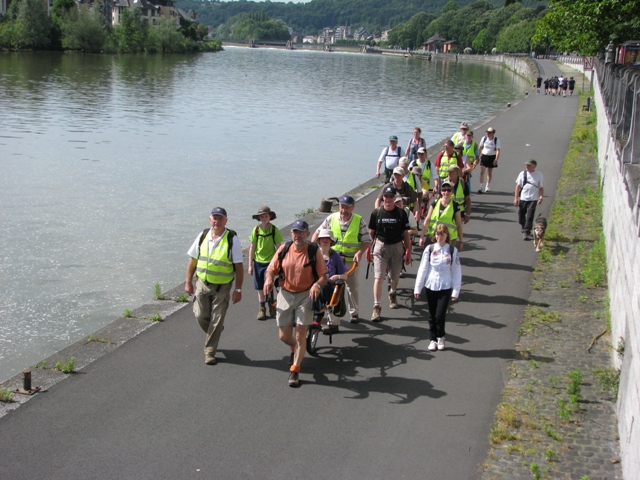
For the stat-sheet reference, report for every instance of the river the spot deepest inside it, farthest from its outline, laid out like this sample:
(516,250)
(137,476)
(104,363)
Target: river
(111,164)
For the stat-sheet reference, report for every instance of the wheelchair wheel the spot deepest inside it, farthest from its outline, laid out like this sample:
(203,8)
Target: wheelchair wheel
(312,340)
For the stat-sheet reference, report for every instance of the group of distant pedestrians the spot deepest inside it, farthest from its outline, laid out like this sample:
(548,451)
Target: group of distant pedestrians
(418,198)
(556,85)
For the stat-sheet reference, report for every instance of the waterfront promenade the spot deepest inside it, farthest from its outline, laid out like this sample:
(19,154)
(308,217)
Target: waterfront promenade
(374,403)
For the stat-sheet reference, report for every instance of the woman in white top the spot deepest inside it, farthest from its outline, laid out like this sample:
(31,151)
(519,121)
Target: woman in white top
(440,274)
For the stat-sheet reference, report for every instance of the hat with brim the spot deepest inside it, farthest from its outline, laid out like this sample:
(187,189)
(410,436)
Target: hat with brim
(219,211)
(532,162)
(326,233)
(262,210)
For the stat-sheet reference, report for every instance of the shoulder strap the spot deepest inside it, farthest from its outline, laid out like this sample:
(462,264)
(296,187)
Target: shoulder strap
(312,250)
(203,235)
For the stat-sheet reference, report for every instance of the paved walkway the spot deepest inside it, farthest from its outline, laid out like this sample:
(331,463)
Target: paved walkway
(374,403)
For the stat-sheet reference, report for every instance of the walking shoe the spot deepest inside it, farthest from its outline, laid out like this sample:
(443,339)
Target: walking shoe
(527,237)
(441,343)
(487,189)
(480,189)
(354,318)
(262,313)
(294,379)
(272,311)
(210,359)
(330,329)
(393,301)
(433,346)
(375,316)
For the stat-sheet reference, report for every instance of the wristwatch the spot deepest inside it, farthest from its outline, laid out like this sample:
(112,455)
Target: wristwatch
(238,290)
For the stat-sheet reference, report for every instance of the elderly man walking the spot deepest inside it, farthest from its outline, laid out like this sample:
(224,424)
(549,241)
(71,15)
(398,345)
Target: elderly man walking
(389,158)
(389,227)
(302,274)
(528,194)
(216,259)
(352,240)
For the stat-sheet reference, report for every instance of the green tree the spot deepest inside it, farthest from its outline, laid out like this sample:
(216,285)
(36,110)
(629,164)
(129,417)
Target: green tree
(449,7)
(587,26)
(62,7)
(131,35)
(35,24)
(516,38)
(86,30)
(480,44)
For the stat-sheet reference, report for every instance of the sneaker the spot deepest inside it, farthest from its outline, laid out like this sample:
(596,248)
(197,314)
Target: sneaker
(527,237)
(487,189)
(375,316)
(262,313)
(354,318)
(393,301)
(480,190)
(331,329)
(294,379)
(272,311)
(433,346)
(441,343)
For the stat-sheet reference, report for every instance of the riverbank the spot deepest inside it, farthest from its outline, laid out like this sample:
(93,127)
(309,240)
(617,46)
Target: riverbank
(370,386)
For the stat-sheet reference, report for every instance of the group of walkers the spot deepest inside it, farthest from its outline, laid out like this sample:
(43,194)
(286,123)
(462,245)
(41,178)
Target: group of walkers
(419,198)
(556,86)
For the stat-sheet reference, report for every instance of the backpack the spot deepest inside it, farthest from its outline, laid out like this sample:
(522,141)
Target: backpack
(430,248)
(312,250)
(439,158)
(232,234)
(481,145)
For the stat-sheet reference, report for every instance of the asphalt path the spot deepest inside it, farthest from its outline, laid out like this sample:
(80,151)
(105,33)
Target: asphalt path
(374,403)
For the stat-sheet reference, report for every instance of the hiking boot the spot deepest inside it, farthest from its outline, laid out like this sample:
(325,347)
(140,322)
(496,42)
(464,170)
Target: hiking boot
(375,316)
(294,379)
(262,313)
(272,311)
(441,343)
(433,346)
(393,301)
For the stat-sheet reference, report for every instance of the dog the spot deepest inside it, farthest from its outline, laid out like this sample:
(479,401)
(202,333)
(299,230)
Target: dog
(539,227)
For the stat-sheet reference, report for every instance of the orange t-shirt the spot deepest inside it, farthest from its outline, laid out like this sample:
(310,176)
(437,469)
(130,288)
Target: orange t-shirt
(297,277)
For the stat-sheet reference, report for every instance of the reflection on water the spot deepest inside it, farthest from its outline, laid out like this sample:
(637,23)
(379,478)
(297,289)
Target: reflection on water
(110,164)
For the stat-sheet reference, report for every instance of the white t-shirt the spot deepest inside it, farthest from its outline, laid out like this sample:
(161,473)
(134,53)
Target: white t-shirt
(489,147)
(531,190)
(236,248)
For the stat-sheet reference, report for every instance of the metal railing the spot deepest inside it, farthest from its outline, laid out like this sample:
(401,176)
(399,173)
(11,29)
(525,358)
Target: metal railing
(620,86)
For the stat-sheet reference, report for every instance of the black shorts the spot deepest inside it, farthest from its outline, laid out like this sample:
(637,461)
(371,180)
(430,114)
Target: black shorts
(487,161)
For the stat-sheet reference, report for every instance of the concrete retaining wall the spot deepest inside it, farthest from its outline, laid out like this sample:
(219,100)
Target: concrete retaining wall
(621,230)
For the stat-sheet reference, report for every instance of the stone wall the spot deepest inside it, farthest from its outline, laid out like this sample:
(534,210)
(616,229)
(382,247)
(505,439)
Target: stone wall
(523,65)
(621,232)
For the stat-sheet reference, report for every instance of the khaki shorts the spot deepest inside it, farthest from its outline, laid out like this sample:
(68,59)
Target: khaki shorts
(388,257)
(293,308)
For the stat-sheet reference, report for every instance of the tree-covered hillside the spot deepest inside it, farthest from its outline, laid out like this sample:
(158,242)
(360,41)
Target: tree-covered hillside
(311,17)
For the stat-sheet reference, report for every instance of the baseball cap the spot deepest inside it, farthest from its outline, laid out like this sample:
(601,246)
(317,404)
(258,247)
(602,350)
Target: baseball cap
(464,125)
(389,192)
(446,183)
(399,171)
(421,150)
(219,211)
(491,130)
(532,162)
(347,200)
(458,146)
(394,138)
(300,225)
